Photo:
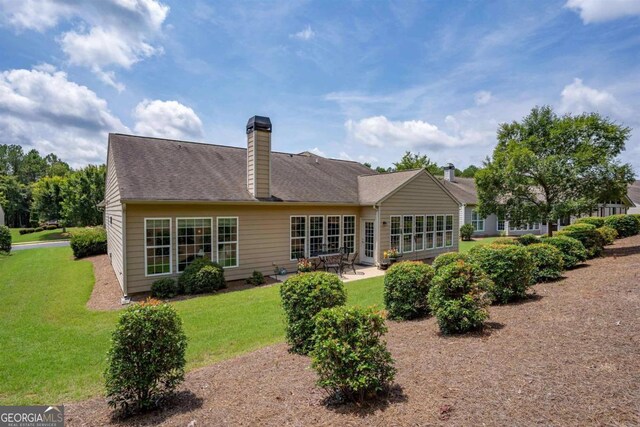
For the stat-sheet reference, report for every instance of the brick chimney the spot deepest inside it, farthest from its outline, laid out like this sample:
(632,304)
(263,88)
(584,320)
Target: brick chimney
(259,157)
(449,172)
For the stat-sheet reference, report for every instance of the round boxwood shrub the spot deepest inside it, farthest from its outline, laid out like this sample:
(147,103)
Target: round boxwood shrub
(593,220)
(572,250)
(625,225)
(146,360)
(406,285)
(349,355)
(587,235)
(445,259)
(528,239)
(459,297)
(165,288)
(505,241)
(88,241)
(466,231)
(548,261)
(510,267)
(256,279)
(5,239)
(608,234)
(212,279)
(303,296)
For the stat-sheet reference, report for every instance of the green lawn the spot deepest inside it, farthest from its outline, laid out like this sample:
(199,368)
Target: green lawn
(41,236)
(52,348)
(466,246)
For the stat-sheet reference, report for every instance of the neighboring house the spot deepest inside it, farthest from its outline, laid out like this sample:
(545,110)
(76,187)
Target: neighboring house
(633,192)
(1,216)
(168,202)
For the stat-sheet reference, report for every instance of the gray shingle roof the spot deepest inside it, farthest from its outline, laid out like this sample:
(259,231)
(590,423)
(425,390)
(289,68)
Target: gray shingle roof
(463,189)
(633,192)
(373,188)
(167,170)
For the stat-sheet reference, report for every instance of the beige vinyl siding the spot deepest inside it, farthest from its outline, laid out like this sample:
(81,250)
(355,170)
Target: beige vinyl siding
(250,161)
(263,236)
(113,222)
(421,196)
(263,164)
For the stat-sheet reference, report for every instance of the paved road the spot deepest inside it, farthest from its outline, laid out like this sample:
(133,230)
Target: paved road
(56,244)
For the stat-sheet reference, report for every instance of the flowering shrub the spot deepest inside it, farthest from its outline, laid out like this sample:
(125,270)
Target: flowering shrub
(391,253)
(304,265)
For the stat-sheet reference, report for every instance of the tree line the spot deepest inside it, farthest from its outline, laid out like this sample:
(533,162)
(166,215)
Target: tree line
(35,189)
(421,161)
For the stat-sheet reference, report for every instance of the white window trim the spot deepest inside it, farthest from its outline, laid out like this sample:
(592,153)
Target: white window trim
(237,241)
(306,236)
(210,218)
(326,230)
(343,234)
(504,225)
(307,252)
(416,233)
(443,231)
(400,242)
(146,267)
(453,226)
(478,220)
(413,227)
(432,233)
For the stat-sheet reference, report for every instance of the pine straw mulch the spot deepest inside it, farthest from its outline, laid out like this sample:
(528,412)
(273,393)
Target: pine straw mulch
(569,355)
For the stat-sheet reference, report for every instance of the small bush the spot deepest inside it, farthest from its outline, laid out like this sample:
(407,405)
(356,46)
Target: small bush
(147,357)
(596,221)
(38,229)
(303,296)
(5,239)
(212,279)
(509,266)
(406,285)
(528,239)
(256,279)
(505,241)
(548,261)
(27,231)
(625,225)
(609,235)
(165,288)
(448,258)
(349,355)
(587,235)
(459,297)
(572,250)
(89,241)
(466,231)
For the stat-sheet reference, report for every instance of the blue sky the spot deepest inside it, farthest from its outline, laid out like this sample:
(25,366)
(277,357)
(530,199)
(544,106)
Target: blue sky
(363,80)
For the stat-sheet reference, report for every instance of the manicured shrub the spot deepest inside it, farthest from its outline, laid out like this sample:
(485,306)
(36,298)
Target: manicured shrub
(192,281)
(572,250)
(256,279)
(303,296)
(27,231)
(50,227)
(505,241)
(349,355)
(528,239)
(448,258)
(146,360)
(466,231)
(587,235)
(459,297)
(609,234)
(38,229)
(625,225)
(165,288)
(406,285)
(593,220)
(89,241)
(5,239)
(510,267)
(548,261)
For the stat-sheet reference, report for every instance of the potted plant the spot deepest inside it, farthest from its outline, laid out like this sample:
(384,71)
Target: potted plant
(392,254)
(304,265)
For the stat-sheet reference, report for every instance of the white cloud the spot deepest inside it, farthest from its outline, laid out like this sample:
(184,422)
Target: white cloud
(604,10)
(482,97)
(111,33)
(42,109)
(166,119)
(578,98)
(344,156)
(317,152)
(306,34)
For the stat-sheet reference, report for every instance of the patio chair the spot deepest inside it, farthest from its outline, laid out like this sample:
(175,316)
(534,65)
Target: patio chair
(350,262)
(333,262)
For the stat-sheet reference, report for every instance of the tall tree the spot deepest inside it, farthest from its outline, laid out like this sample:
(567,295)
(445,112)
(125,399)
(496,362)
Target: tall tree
(548,167)
(15,198)
(417,161)
(470,171)
(81,193)
(32,167)
(47,198)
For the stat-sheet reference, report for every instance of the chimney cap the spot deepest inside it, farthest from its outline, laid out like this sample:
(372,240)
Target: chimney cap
(449,166)
(259,123)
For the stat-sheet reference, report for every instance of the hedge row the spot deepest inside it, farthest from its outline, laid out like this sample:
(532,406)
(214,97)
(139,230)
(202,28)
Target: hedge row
(89,241)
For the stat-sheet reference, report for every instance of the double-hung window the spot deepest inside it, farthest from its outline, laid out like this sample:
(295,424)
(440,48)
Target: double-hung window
(194,240)
(157,246)
(396,232)
(439,231)
(228,241)
(333,233)
(477,221)
(316,235)
(448,235)
(430,228)
(500,225)
(419,236)
(349,233)
(407,234)
(298,237)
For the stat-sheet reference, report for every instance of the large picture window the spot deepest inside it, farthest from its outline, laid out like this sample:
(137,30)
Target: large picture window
(228,241)
(298,240)
(448,235)
(439,231)
(194,240)
(407,233)
(157,246)
(333,233)
(316,235)
(419,236)
(396,232)
(349,233)
(430,232)
(477,221)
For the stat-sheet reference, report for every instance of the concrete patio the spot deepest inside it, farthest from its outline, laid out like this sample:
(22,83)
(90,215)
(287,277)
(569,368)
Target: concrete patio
(362,272)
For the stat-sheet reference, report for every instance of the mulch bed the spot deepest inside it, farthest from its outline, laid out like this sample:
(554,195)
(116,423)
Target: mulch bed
(569,355)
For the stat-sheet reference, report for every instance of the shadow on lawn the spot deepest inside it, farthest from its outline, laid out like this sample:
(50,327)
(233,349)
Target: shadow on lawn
(180,403)
(395,394)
